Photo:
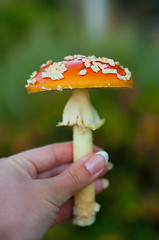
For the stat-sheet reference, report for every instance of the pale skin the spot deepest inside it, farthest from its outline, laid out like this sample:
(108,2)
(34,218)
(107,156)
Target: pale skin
(37,186)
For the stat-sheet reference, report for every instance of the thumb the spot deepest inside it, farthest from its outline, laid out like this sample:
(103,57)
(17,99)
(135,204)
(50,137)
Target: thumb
(76,177)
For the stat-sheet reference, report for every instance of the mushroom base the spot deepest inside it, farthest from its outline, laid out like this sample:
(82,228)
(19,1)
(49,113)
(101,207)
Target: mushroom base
(85,207)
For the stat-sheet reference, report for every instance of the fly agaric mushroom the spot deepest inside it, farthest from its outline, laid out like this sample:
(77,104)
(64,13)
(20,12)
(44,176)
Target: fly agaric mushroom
(79,73)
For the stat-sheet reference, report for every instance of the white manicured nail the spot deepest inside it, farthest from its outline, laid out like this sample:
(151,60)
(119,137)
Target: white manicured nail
(95,164)
(104,154)
(110,166)
(105,183)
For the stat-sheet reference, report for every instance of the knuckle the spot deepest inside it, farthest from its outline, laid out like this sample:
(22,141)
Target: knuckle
(74,177)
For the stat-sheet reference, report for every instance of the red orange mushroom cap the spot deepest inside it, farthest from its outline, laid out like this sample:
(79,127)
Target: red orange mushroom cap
(79,71)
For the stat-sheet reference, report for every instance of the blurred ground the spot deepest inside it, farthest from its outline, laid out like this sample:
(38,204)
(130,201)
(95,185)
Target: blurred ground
(33,32)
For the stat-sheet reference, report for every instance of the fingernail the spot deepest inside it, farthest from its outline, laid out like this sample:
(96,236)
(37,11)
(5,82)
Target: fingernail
(110,166)
(105,183)
(95,163)
(104,154)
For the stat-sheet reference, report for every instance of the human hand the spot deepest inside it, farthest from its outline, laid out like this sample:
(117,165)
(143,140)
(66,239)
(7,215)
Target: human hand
(35,185)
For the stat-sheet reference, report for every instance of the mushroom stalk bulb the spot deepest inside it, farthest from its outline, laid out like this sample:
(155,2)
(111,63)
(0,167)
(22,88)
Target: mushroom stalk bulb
(80,73)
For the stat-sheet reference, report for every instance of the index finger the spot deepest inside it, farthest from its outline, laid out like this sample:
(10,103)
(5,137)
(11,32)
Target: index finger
(47,157)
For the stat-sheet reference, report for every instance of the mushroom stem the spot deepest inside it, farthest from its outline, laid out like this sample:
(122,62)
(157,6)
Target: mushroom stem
(80,114)
(84,201)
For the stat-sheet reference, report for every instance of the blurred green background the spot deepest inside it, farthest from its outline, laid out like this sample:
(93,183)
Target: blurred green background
(34,31)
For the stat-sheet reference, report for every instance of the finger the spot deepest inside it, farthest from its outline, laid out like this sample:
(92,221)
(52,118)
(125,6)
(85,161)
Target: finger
(107,168)
(103,172)
(65,213)
(96,148)
(47,157)
(101,184)
(110,166)
(76,177)
(59,169)
(54,171)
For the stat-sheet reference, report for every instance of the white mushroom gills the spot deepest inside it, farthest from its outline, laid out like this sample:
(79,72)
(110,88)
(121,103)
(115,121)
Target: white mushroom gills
(80,114)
